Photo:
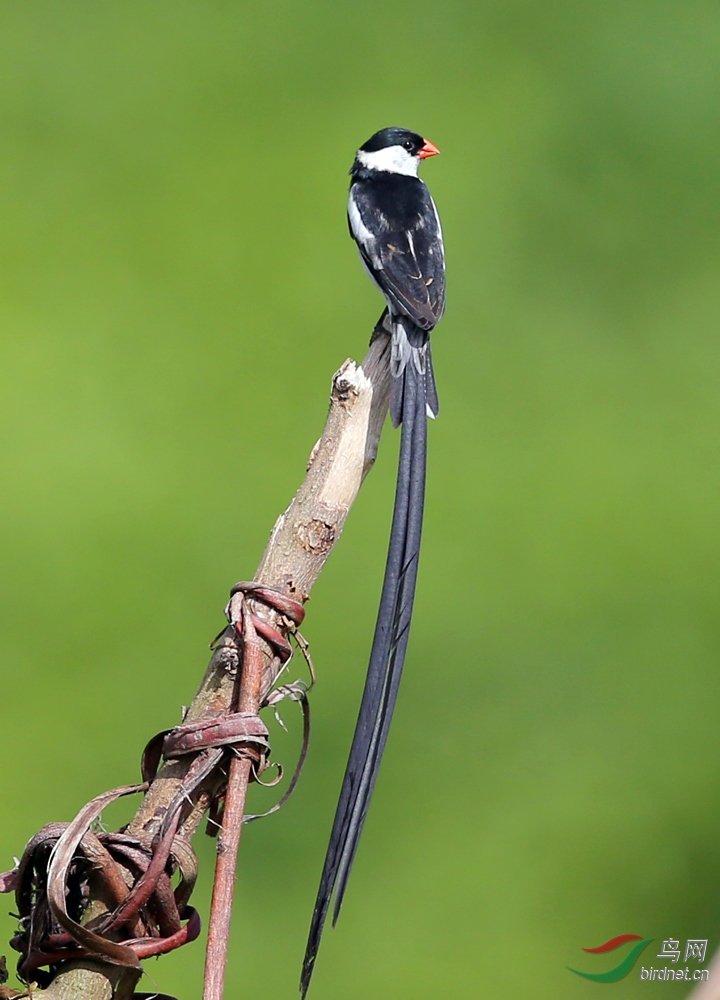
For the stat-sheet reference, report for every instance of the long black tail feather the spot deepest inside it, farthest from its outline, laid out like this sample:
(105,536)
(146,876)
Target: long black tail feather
(386,658)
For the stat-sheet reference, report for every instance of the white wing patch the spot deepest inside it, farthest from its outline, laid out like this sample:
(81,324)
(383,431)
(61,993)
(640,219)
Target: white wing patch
(439,231)
(411,244)
(360,231)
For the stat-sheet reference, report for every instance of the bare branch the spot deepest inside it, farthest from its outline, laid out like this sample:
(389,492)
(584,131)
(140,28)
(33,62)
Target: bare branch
(299,545)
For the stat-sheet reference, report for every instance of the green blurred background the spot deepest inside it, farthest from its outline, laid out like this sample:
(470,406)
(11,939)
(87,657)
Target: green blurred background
(176,289)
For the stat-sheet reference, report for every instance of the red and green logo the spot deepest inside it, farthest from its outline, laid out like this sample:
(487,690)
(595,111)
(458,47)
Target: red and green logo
(612,975)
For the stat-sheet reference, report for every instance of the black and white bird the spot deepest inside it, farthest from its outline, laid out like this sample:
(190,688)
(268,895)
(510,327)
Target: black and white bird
(396,227)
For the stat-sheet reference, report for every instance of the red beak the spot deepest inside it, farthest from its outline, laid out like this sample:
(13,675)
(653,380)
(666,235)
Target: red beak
(428,150)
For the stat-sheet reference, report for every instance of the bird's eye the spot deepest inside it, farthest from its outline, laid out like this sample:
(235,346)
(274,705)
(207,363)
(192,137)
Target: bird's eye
(408,145)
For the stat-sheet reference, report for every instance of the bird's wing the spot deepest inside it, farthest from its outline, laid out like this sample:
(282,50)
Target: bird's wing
(407,260)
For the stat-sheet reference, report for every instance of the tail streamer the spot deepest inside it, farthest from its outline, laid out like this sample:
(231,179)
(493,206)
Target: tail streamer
(386,658)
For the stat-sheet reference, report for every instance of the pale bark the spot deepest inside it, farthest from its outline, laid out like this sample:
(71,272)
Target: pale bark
(299,545)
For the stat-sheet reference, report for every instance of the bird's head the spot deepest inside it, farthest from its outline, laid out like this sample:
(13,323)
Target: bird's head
(394,151)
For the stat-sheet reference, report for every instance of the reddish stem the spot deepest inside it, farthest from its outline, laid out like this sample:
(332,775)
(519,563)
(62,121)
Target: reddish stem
(250,692)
